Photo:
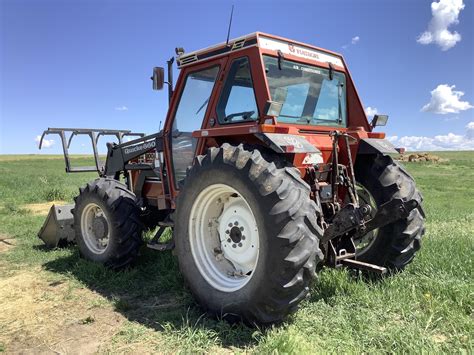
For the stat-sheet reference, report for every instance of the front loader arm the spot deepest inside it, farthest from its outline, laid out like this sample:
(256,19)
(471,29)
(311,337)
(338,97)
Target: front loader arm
(94,135)
(119,155)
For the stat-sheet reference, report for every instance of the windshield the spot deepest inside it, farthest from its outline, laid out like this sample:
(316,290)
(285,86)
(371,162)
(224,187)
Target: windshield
(307,94)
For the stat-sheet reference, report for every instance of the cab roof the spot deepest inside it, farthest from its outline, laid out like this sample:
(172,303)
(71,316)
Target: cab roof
(266,42)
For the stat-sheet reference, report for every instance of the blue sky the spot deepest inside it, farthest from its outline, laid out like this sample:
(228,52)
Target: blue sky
(87,63)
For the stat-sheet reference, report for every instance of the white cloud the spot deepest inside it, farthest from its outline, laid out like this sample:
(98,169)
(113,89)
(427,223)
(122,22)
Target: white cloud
(444,100)
(445,13)
(470,130)
(121,108)
(47,143)
(354,41)
(371,111)
(449,141)
(450,118)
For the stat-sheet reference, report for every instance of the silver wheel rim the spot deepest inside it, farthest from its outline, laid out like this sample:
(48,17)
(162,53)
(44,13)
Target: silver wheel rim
(224,238)
(95,228)
(364,243)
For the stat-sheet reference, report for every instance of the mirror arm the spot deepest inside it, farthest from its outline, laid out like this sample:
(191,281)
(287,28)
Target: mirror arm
(170,78)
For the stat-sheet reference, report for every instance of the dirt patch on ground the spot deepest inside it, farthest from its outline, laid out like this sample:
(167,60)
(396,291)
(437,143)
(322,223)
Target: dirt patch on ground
(42,209)
(39,316)
(6,243)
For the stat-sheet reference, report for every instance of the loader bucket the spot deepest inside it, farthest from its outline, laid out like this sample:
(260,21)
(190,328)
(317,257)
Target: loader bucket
(58,229)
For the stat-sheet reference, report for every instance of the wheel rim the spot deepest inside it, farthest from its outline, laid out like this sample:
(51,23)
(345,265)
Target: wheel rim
(95,228)
(224,237)
(364,243)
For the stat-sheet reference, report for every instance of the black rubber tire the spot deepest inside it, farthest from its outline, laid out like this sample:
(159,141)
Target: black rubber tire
(395,244)
(289,232)
(120,207)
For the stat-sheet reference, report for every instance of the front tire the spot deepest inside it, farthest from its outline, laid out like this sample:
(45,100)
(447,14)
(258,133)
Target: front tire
(231,193)
(107,223)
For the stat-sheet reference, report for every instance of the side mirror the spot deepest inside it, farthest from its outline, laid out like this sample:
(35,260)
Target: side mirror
(379,120)
(273,108)
(158,78)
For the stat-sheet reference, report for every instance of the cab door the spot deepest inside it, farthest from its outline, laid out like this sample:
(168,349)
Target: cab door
(196,92)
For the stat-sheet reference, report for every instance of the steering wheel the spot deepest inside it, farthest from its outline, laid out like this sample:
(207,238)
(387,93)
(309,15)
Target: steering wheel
(244,114)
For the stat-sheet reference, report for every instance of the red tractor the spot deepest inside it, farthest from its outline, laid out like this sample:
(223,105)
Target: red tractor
(266,167)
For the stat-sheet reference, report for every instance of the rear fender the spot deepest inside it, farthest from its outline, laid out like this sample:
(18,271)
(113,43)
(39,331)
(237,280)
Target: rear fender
(287,143)
(369,146)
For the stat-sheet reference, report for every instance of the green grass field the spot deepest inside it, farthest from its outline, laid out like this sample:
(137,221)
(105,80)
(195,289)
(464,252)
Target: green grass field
(53,301)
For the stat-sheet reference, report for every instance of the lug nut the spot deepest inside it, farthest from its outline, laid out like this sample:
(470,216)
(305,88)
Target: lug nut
(230,225)
(234,245)
(229,240)
(241,228)
(243,237)
(240,244)
(236,223)
(227,232)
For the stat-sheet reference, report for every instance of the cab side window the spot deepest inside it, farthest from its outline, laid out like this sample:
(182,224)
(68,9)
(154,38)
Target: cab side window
(237,102)
(189,115)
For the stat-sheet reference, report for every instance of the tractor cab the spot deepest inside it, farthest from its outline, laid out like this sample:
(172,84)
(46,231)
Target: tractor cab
(257,86)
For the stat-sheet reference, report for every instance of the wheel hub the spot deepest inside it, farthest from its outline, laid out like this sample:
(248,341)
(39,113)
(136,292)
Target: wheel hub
(363,243)
(224,237)
(237,233)
(95,228)
(100,227)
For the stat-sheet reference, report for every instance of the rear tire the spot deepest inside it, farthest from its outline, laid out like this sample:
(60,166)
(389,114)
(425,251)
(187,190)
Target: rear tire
(394,245)
(107,223)
(285,229)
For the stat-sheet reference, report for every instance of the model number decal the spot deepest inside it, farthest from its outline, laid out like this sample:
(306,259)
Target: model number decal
(293,141)
(144,146)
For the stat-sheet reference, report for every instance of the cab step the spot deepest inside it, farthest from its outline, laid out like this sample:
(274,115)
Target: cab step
(161,246)
(166,223)
(155,243)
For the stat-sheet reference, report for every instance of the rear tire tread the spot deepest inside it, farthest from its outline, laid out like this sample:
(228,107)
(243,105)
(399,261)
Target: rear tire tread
(387,180)
(299,254)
